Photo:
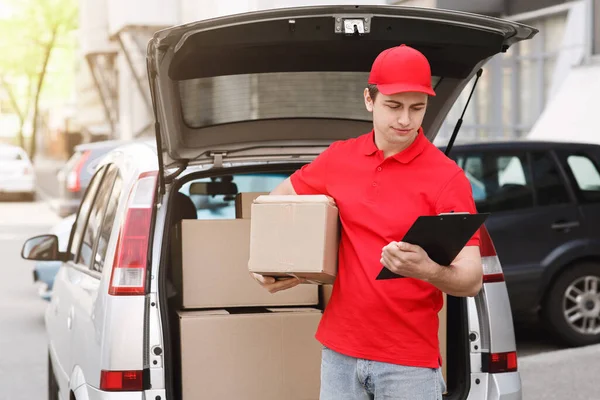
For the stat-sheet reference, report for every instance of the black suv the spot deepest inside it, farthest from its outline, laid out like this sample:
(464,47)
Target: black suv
(544,200)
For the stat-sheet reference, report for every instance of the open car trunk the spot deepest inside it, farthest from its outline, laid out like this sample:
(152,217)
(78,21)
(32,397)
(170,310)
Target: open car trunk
(281,85)
(289,81)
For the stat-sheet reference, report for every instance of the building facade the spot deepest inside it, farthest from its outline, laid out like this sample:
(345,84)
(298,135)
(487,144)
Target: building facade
(511,96)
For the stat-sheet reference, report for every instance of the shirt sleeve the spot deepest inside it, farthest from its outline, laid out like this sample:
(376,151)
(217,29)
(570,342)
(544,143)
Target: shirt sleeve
(457,196)
(312,178)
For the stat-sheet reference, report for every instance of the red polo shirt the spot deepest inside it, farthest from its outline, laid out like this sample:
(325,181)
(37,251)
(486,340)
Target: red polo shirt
(393,321)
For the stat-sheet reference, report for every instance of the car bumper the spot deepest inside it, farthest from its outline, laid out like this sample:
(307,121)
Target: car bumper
(505,386)
(91,393)
(17,185)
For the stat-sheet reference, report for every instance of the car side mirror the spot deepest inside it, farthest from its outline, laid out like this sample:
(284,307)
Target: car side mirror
(41,248)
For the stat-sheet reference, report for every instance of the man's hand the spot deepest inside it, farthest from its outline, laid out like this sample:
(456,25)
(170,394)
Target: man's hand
(408,260)
(463,278)
(275,285)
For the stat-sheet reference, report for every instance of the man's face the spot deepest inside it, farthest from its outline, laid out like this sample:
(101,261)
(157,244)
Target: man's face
(398,117)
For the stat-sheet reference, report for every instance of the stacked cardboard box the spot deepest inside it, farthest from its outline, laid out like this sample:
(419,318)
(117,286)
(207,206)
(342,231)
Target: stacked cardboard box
(266,356)
(239,341)
(214,271)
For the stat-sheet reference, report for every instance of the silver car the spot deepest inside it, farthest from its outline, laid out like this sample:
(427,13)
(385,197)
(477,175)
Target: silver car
(246,100)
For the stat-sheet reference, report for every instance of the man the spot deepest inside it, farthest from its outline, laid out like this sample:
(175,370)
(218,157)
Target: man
(380,338)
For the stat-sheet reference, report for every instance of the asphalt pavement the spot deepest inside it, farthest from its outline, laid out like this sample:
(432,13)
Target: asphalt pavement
(547,371)
(22,335)
(568,374)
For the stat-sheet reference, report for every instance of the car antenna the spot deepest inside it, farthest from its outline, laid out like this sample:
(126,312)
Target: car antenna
(460,120)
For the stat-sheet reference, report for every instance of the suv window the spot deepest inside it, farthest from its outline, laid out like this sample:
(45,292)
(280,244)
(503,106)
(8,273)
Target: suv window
(82,214)
(107,225)
(586,176)
(96,215)
(500,182)
(512,183)
(549,185)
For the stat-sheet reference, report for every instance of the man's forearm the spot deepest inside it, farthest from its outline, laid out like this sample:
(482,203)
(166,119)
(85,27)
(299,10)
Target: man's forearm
(284,188)
(462,279)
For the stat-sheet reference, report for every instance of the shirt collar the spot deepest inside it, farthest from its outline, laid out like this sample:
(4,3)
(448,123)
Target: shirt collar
(406,155)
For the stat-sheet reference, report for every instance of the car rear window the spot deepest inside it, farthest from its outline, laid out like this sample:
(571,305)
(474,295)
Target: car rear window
(236,98)
(222,206)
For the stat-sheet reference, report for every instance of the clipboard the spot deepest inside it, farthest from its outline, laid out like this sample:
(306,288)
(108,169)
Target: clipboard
(441,236)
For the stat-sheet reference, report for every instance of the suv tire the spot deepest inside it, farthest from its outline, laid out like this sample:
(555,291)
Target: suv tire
(573,294)
(52,384)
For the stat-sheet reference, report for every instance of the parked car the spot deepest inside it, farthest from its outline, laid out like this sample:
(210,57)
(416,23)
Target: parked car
(44,272)
(16,173)
(253,109)
(544,200)
(75,175)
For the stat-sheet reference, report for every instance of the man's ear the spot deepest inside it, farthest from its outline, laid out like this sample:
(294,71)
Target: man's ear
(368,100)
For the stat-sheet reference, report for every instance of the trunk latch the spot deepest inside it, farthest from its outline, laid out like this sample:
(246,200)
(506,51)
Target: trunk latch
(351,26)
(218,159)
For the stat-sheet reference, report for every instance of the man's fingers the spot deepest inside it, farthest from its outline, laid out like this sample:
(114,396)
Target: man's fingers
(283,285)
(264,279)
(388,262)
(407,247)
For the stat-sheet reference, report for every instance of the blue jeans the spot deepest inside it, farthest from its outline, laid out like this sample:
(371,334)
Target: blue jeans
(348,378)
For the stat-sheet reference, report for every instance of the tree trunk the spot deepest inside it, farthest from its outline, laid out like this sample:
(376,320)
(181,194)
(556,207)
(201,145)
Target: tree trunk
(15,105)
(38,92)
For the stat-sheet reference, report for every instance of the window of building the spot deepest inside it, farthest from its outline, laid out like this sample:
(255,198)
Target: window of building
(515,86)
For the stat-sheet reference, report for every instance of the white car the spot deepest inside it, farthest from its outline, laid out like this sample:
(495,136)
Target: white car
(16,173)
(241,102)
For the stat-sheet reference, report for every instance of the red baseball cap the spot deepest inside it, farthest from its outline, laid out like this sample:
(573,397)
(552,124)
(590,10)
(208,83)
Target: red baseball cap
(401,69)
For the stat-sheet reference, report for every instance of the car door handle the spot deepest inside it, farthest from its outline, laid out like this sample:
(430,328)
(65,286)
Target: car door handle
(70,318)
(562,225)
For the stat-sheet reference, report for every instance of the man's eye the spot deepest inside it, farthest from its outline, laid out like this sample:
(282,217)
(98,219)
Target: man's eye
(394,107)
(418,108)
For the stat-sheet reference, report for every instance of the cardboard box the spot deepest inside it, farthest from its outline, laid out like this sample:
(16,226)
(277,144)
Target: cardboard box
(326,294)
(295,235)
(442,335)
(243,203)
(266,356)
(214,269)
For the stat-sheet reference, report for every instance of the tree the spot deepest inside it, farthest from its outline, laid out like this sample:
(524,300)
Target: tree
(37,40)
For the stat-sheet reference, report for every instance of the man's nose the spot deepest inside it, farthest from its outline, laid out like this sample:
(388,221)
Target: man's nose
(403,118)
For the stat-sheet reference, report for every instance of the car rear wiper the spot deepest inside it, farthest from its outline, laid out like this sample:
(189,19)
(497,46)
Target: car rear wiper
(460,120)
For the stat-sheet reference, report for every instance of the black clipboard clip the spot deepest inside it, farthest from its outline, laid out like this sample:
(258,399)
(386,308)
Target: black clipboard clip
(442,237)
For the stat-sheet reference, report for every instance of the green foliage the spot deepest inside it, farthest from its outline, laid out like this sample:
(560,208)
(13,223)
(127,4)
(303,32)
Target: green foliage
(38,45)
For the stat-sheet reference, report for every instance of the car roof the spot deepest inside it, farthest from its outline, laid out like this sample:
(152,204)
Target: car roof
(521,145)
(102,145)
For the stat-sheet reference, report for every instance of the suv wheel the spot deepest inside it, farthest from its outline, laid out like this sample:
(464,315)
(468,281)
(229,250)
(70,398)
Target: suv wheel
(572,306)
(52,385)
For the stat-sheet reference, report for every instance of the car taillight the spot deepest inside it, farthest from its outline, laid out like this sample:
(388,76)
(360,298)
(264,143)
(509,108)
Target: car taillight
(74,177)
(500,362)
(112,381)
(492,270)
(129,266)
